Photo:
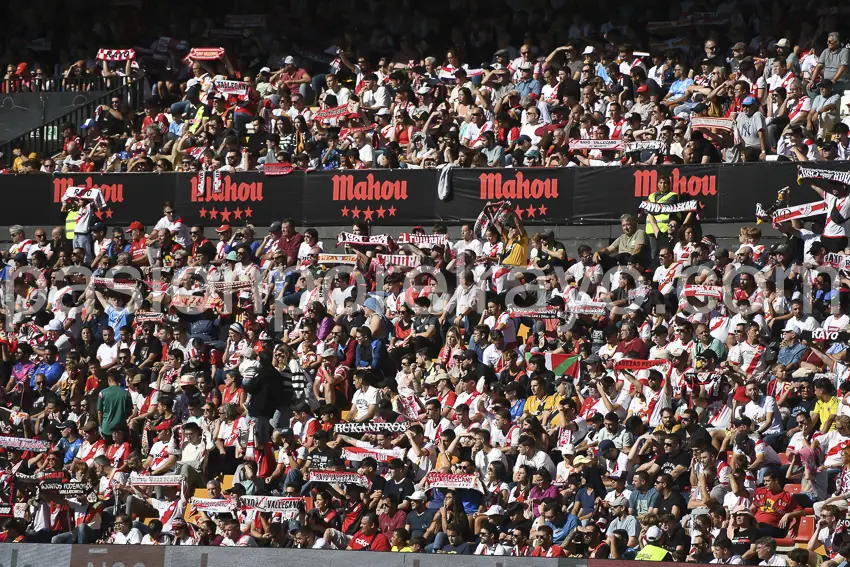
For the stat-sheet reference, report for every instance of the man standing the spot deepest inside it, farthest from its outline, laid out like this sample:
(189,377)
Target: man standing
(114,405)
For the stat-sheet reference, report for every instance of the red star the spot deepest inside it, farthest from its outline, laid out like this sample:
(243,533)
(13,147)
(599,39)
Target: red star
(531,210)
(213,214)
(109,213)
(99,215)
(203,212)
(344,211)
(237,213)
(380,210)
(542,210)
(225,215)
(367,214)
(392,211)
(248,212)
(355,212)
(518,211)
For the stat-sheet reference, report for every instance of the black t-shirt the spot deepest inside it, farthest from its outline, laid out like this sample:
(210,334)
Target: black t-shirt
(401,489)
(677,539)
(421,324)
(257,142)
(144,348)
(319,458)
(743,540)
(668,464)
(688,440)
(665,505)
(419,523)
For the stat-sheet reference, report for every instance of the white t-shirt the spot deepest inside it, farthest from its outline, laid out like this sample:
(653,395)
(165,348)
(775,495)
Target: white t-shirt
(134,536)
(462,246)
(362,400)
(842,204)
(757,412)
(107,354)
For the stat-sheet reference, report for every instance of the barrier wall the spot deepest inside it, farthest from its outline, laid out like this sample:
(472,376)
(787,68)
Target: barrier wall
(404,197)
(33,555)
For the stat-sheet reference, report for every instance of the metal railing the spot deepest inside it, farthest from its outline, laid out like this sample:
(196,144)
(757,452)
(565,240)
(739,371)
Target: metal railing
(47,139)
(86,83)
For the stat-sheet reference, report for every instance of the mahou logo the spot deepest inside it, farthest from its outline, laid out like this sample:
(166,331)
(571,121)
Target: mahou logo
(112,193)
(646,183)
(516,186)
(227,190)
(371,192)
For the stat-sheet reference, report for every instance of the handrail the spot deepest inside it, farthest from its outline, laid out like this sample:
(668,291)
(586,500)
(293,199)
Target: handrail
(46,140)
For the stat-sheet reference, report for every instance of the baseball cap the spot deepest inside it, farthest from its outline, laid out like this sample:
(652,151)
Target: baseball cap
(676,352)
(606,445)
(783,42)
(54,325)
(68,425)
(265,70)
(620,501)
(90,426)
(290,60)
(137,379)
(653,533)
(418,495)
(223,228)
(642,89)
(495,510)
(136,225)
(581,460)
(423,90)
(163,426)
(740,46)
(276,226)
(742,421)
(237,328)
(436,377)
(745,249)
(749,101)
(384,112)
(330,352)
(588,50)
(526,65)
(568,449)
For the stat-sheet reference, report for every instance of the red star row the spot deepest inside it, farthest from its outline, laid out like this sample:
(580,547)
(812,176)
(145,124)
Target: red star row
(368,212)
(104,213)
(531,212)
(224,214)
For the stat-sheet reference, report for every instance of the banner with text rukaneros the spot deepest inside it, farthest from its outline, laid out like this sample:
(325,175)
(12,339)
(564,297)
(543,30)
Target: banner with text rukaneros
(604,194)
(382,196)
(742,186)
(239,198)
(539,195)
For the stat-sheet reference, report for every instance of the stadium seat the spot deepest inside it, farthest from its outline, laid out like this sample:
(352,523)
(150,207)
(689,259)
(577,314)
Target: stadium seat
(522,334)
(807,528)
(227,482)
(793,488)
(783,458)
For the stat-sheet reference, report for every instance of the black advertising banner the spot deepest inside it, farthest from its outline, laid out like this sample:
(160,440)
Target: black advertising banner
(606,193)
(742,186)
(405,197)
(401,196)
(240,198)
(541,195)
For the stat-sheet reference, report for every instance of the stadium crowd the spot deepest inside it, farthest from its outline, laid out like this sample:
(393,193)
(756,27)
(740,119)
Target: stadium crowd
(415,397)
(619,92)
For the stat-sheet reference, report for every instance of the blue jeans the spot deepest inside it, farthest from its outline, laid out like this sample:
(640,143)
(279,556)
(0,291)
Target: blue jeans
(82,534)
(440,541)
(180,108)
(84,241)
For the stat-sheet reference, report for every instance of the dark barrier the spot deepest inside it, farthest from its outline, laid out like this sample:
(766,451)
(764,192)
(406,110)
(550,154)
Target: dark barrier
(405,196)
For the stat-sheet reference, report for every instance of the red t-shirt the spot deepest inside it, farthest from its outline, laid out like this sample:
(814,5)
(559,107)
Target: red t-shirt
(554,551)
(377,542)
(771,507)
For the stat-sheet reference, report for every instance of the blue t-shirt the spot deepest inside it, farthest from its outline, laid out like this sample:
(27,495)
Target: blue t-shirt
(117,317)
(70,448)
(52,373)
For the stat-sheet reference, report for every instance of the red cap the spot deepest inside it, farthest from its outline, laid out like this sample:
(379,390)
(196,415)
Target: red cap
(642,89)
(163,426)
(223,228)
(22,69)
(136,225)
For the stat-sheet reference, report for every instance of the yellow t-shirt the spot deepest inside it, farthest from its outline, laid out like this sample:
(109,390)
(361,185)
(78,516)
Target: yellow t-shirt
(516,250)
(405,549)
(536,407)
(825,409)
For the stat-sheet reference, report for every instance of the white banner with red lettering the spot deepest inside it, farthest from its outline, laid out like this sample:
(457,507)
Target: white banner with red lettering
(596,145)
(231,88)
(34,445)
(463,481)
(380,455)
(340,477)
(703,291)
(115,54)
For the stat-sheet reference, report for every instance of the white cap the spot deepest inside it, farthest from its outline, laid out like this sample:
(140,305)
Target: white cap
(653,533)
(265,70)
(424,90)
(568,449)
(290,60)
(418,495)
(495,510)
(745,249)
(191,83)
(54,325)
(384,112)
(588,50)
(676,351)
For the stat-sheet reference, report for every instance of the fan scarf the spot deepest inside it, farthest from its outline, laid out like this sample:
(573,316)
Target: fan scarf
(825,174)
(703,291)
(371,427)
(231,88)
(34,445)
(380,455)
(643,145)
(346,259)
(837,261)
(206,53)
(586,307)
(115,54)
(633,364)
(596,145)
(660,208)
(92,195)
(402,260)
(229,287)
(200,302)
(432,239)
(276,169)
(349,239)
(340,477)
(492,214)
(546,312)
(328,113)
(795,212)
(145,316)
(443,480)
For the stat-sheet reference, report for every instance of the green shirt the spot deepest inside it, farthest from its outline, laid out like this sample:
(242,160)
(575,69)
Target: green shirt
(115,404)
